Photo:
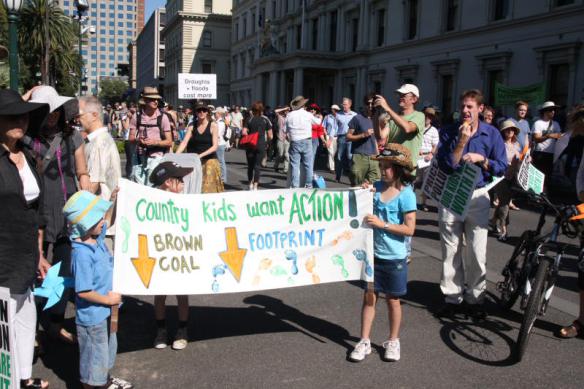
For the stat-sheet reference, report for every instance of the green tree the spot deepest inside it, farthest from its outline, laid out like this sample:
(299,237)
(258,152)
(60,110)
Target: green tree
(63,36)
(112,91)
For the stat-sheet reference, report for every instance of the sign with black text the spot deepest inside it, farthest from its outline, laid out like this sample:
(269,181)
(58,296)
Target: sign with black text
(197,86)
(8,379)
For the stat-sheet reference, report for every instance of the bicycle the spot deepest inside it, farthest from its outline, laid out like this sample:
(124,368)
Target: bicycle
(532,269)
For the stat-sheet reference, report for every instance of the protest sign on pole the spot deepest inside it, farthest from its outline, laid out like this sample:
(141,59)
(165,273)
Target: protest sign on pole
(177,244)
(8,377)
(197,86)
(453,191)
(529,177)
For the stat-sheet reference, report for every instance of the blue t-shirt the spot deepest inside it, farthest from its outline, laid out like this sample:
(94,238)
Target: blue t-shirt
(367,146)
(92,266)
(389,246)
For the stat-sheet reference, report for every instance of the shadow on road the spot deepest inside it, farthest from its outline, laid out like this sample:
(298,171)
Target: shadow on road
(490,342)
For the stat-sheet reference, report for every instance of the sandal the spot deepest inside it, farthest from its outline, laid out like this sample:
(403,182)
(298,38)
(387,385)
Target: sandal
(34,383)
(573,330)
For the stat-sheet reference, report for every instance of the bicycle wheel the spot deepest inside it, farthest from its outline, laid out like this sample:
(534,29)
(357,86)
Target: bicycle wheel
(532,308)
(513,276)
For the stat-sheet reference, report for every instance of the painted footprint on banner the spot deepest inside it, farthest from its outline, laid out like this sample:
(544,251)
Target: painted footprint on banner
(218,270)
(127,230)
(361,255)
(292,256)
(310,265)
(265,264)
(339,261)
(347,235)
(279,271)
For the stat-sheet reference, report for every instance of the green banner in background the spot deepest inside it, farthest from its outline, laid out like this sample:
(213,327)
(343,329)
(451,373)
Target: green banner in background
(505,95)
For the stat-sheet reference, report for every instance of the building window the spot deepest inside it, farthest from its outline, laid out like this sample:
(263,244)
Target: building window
(445,72)
(298,37)
(208,6)
(493,77)
(244,27)
(500,9)
(314,34)
(447,93)
(412,25)
(452,9)
(561,3)
(161,55)
(207,39)
(333,31)
(380,27)
(253,22)
(206,68)
(558,83)
(236,32)
(377,87)
(355,33)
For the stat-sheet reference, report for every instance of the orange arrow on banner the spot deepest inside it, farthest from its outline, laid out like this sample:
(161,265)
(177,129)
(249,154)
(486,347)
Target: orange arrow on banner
(144,264)
(233,256)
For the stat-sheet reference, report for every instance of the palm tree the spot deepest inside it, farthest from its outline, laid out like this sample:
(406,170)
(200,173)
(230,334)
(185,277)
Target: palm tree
(62,31)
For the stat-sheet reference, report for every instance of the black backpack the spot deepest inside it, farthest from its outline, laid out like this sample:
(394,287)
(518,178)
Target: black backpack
(173,131)
(562,182)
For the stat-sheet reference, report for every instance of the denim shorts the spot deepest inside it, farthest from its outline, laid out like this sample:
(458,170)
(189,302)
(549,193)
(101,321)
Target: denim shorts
(97,353)
(391,277)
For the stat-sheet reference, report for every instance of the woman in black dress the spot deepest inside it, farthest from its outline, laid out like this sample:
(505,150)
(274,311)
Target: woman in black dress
(20,225)
(260,124)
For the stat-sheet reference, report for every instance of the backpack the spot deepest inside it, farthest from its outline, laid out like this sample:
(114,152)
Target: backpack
(173,131)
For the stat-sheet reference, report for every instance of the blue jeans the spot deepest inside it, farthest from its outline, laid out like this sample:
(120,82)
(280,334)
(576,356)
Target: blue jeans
(315,143)
(97,353)
(221,157)
(343,158)
(301,153)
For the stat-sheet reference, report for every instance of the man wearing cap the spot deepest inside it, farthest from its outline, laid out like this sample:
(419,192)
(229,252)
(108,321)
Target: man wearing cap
(299,131)
(407,126)
(343,144)
(331,126)
(103,158)
(150,130)
(168,176)
(546,132)
(464,266)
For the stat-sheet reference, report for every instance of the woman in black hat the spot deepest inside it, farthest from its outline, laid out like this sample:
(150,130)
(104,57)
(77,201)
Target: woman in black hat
(20,224)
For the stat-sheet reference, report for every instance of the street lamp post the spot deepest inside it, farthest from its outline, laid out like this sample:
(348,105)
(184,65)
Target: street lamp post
(82,7)
(13,8)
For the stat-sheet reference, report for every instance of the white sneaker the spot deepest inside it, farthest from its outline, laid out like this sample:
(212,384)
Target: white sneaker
(121,384)
(181,340)
(362,349)
(161,339)
(392,350)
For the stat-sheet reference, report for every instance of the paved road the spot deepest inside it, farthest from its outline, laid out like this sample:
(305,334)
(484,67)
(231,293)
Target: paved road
(300,337)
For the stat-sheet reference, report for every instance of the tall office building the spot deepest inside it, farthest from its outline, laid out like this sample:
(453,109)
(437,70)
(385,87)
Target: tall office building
(105,52)
(150,52)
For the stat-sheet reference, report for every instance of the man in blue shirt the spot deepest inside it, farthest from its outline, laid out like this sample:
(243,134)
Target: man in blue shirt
(331,126)
(521,108)
(343,144)
(464,267)
(363,146)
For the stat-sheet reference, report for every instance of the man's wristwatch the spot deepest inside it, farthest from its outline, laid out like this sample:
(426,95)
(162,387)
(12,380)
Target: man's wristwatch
(385,226)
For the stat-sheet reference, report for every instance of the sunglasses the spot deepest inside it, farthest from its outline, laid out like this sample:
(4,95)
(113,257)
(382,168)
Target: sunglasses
(202,110)
(391,153)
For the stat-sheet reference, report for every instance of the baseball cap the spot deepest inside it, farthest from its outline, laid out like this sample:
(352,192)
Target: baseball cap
(166,170)
(409,88)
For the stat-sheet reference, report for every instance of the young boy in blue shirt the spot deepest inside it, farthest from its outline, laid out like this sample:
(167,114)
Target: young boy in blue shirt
(92,266)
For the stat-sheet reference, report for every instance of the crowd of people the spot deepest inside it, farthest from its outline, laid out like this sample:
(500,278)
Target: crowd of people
(60,167)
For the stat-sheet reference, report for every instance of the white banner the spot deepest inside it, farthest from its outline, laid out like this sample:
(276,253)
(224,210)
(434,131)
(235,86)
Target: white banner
(176,244)
(8,378)
(453,191)
(197,86)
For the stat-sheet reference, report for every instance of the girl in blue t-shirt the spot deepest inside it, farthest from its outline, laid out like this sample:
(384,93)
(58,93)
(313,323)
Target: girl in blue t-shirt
(393,218)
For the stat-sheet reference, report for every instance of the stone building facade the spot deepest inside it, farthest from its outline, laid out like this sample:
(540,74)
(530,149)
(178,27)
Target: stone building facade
(197,40)
(327,49)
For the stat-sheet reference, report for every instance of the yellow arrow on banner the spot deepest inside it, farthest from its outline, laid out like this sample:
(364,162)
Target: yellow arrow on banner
(233,256)
(143,263)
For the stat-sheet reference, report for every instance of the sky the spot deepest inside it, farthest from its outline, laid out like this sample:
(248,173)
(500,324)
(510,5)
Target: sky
(151,5)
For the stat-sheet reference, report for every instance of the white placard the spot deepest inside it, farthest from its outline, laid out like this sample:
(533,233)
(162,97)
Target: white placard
(175,244)
(197,86)
(8,378)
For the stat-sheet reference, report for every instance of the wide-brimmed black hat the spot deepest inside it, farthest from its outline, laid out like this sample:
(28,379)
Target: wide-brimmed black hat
(12,104)
(200,105)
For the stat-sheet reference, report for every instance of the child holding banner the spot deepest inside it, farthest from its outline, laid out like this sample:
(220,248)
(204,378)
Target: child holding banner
(393,219)
(92,266)
(169,176)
